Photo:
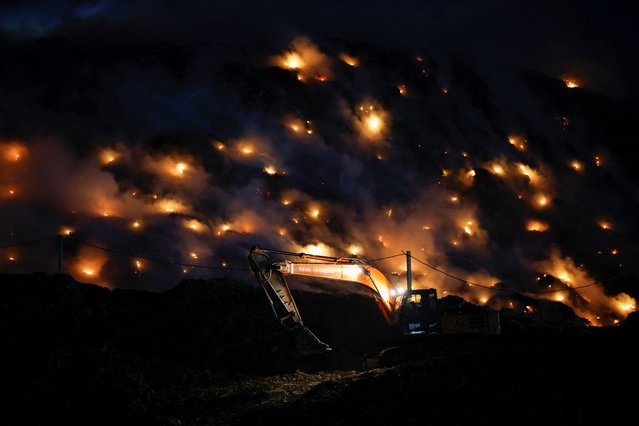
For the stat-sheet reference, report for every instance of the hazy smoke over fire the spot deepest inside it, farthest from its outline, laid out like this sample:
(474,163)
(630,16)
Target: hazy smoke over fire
(178,164)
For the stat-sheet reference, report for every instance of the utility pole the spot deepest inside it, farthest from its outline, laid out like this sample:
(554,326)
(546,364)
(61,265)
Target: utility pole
(60,254)
(409,273)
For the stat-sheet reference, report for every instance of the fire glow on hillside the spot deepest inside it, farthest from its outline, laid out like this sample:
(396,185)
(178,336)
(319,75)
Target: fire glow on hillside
(323,158)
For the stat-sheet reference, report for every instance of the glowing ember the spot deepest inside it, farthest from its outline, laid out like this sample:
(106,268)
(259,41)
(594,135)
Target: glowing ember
(314,212)
(374,123)
(193,255)
(536,226)
(571,83)
(320,249)
(194,225)
(542,200)
(528,172)
(223,229)
(170,206)
(597,161)
(293,61)
(108,156)
(627,307)
(605,225)
(305,58)
(135,224)
(576,165)
(299,126)
(180,168)
(444,89)
(467,228)
(614,252)
(454,198)
(371,121)
(246,149)
(559,298)
(497,169)
(517,141)
(66,231)
(563,276)
(219,146)
(354,249)
(402,89)
(270,170)
(349,60)
(138,265)
(13,151)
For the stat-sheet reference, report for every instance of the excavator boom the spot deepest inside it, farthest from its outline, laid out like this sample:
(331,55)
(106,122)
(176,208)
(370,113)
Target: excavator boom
(357,271)
(270,274)
(283,304)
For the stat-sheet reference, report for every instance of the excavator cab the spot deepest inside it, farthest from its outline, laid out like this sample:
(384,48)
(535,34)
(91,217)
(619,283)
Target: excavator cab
(417,313)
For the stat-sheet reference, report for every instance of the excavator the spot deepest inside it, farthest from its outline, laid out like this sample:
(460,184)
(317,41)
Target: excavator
(411,312)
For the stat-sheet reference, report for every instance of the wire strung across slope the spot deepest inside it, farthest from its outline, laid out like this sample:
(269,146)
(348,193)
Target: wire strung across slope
(155,259)
(505,290)
(387,257)
(222,268)
(25,243)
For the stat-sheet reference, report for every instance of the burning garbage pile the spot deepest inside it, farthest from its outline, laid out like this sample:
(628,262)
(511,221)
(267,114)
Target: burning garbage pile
(330,150)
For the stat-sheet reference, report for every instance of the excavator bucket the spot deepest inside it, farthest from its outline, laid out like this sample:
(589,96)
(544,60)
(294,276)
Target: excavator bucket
(283,304)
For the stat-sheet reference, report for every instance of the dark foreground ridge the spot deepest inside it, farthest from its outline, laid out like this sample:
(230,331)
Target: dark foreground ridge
(211,352)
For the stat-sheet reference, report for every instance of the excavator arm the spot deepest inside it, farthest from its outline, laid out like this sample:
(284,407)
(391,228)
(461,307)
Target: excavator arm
(354,272)
(270,274)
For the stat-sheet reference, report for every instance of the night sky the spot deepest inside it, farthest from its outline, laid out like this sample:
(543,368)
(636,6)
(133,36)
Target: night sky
(155,132)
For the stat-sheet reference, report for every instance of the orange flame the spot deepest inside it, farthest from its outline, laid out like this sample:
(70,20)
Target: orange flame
(517,141)
(13,151)
(571,83)
(536,226)
(349,59)
(305,57)
(108,156)
(371,121)
(576,165)
(88,264)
